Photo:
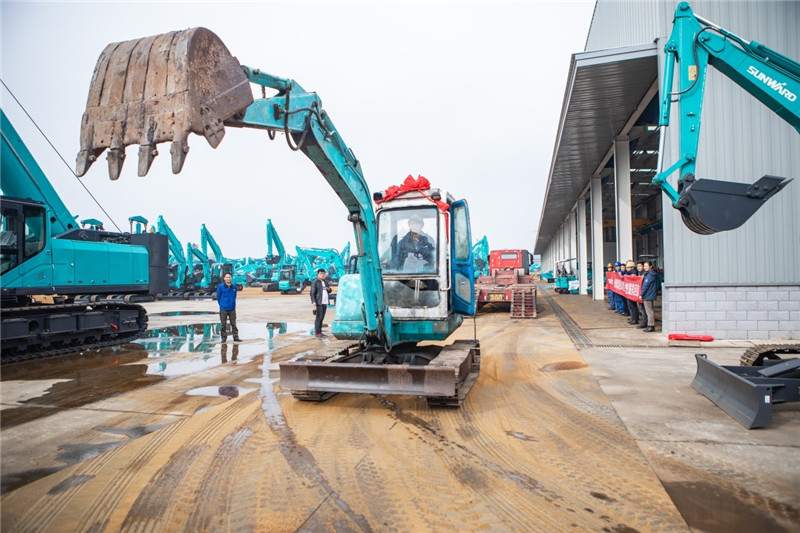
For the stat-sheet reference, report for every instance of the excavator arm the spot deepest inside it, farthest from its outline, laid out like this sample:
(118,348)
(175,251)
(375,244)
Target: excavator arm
(162,88)
(709,206)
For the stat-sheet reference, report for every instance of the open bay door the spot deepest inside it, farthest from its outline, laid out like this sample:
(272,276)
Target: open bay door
(462,268)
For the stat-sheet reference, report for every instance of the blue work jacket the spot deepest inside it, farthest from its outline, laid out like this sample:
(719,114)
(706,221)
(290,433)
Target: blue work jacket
(226,297)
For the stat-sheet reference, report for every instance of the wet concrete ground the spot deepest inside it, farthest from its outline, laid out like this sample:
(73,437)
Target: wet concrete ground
(594,423)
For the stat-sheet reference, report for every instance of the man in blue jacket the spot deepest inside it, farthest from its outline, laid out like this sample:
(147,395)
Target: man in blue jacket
(649,293)
(226,298)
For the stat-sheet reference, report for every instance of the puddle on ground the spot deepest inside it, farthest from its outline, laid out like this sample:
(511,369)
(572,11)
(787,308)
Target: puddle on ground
(227,391)
(72,454)
(714,508)
(520,436)
(563,365)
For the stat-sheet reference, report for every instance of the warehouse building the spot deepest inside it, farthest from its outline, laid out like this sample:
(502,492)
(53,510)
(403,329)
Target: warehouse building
(600,205)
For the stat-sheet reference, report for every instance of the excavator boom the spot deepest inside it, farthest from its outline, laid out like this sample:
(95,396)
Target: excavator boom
(709,206)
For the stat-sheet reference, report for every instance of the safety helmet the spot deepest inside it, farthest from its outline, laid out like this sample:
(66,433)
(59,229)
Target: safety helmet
(617,264)
(630,264)
(609,266)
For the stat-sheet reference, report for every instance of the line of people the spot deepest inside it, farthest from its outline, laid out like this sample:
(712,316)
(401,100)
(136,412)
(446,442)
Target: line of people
(642,315)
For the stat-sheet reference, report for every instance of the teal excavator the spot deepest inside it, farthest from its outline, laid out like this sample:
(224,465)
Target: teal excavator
(766,376)
(709,206)
(65,288)
(415,265)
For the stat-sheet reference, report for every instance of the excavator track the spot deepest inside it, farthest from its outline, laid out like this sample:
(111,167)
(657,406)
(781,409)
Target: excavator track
(755,356)
(34,332)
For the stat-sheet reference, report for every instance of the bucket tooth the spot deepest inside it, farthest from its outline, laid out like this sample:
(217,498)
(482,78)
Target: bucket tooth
(147,152)
(116,158)
(85,160)
(178,149)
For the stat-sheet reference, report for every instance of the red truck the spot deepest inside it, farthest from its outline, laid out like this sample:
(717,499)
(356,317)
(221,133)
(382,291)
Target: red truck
(509,281)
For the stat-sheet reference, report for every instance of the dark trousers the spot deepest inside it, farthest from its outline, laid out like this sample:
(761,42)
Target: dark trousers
(321,309)
(224,316)
(634,311)
(642,313)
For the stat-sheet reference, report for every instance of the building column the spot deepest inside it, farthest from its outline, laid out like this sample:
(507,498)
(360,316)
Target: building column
(596,193)
(622,184)
(573,241)
(583,263)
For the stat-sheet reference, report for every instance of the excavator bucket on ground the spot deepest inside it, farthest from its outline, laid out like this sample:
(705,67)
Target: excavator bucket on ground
(158,89)
(710,206)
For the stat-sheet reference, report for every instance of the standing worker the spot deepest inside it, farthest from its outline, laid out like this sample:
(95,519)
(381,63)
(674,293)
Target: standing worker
(226,298)
(642,312)
(649,293)
(633,308)
(611,302)
(319,301)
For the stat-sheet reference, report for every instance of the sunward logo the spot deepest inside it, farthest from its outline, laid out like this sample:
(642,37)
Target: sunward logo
(775,85)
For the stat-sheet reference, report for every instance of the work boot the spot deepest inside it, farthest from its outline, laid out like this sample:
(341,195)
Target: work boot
(237,339)
(650,329)
(224,339)
(641,326)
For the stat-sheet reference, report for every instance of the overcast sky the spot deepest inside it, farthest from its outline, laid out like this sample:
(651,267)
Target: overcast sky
(467,94)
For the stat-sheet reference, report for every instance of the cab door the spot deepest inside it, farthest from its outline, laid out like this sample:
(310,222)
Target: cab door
(462,269)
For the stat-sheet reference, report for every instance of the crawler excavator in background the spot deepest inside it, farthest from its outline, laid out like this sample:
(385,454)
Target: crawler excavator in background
(162,88)
(66,288)
(749,391)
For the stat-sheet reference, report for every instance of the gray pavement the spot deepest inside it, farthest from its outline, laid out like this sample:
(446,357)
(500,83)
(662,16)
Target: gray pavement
(721,473)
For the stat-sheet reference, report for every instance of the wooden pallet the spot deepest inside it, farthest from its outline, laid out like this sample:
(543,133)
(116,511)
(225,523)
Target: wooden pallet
(523,301)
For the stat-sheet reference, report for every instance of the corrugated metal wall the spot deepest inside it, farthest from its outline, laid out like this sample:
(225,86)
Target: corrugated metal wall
(741,140)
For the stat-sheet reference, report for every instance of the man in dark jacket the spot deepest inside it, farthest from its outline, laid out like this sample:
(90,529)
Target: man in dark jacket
(319,301)
(226,298)
(649,293)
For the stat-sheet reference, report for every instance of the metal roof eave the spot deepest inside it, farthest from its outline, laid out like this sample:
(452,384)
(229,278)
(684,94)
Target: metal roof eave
(603,90)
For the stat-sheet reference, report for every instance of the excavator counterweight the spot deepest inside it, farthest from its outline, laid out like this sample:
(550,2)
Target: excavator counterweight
(159,89)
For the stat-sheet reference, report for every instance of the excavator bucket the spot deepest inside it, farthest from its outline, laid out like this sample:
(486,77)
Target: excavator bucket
(709,206)
(158,89)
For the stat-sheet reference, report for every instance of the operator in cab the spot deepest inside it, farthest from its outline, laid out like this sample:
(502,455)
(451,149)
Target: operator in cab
(416,251)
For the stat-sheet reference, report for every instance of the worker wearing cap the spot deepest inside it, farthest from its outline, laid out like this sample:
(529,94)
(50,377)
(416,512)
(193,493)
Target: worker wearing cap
(611,301)
(620,300)
(633,309)
(415,251)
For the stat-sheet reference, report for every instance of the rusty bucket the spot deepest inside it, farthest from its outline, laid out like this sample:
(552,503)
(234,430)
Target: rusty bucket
(158,89)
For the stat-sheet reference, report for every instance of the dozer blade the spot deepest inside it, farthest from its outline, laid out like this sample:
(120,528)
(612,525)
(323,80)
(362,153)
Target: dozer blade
(749,402)
(158,89)
(708,206)
(445,381)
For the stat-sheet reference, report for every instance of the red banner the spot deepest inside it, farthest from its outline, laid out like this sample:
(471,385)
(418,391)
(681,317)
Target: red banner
(628,286)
